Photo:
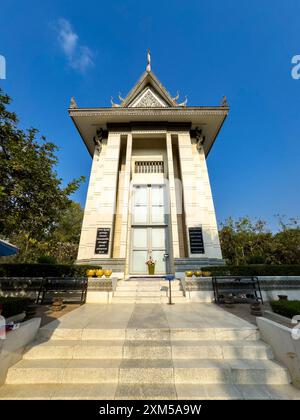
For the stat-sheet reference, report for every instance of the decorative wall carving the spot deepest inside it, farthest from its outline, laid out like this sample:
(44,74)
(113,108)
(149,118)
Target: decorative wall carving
(148,100)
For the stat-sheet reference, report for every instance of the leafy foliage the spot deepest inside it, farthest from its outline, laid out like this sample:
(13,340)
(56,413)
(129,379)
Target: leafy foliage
(35,209)
(254,270)
(13,305)
(44,270)
(246,242)
(288,309)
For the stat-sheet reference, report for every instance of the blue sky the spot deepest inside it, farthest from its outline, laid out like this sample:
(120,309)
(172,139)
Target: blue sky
(94,49)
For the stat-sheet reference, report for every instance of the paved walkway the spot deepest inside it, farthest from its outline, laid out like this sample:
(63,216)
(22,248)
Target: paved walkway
(148,316)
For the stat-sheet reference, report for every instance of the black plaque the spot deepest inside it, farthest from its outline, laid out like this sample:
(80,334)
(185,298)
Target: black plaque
(102,241)
(196,240)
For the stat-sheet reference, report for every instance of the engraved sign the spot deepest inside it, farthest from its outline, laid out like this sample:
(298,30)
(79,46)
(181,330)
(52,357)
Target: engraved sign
(196,240)
(102,241)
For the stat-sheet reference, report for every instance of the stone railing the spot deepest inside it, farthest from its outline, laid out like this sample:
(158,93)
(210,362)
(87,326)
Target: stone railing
(20,286)
(200,288)
(29,287)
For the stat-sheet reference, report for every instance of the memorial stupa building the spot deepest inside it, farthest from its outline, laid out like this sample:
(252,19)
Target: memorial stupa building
(149,192)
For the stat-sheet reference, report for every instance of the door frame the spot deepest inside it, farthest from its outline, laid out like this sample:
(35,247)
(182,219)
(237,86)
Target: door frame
(149,227)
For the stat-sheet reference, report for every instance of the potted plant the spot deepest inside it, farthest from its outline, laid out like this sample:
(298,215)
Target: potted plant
(91,273)
(256,309)
(151,265)
(198,273)
(189,273)
(206,274)
(282,297)
(108,273)
(99,273)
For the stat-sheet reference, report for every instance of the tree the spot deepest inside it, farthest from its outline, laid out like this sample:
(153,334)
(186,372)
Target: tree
(286,243)
(65,238)
(244,242)
(32,198)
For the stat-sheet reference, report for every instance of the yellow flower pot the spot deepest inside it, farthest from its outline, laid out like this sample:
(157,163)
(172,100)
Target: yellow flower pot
(90,273)
(189,273)
(99,273)
(206,274)
(198,273)
(108,273)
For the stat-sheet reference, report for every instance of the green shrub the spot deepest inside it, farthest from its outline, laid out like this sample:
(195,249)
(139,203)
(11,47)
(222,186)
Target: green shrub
(44,270)
(286,308)
(46,259)
(13,305)
(254,270)
(256,259)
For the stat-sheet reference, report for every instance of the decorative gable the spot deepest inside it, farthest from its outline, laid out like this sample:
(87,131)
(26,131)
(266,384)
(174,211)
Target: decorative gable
(148,92)
(148,98)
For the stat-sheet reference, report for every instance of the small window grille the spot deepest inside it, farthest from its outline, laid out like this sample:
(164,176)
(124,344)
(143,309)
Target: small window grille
(149,167)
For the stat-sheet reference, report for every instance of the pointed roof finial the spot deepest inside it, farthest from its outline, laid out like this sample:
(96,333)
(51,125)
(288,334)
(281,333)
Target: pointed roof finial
(148,69)
(73,103)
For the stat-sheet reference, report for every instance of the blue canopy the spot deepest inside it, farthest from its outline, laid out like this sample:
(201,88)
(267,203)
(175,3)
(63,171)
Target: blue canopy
(7,249)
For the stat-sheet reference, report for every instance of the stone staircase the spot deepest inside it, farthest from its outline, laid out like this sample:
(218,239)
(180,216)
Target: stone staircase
(148,363)
(147,290)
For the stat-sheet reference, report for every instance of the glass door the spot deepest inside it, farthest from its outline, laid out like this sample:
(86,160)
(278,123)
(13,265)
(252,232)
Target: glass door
(149,229)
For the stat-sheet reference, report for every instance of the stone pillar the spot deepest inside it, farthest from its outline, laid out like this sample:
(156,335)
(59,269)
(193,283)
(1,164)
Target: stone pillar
(198,206)
(100,204)
(87,239)
(172,199)
(107,205)
(125,201)
(207,206)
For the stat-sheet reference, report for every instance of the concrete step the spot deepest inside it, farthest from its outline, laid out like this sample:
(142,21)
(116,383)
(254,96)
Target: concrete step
(147,289)
(51,371)
(133,299)
(130,371)
(144,283)
(146,294)
(175,334)
(148,299)
(148,392)
(117,349)
(230,372)
(236,392)
(136,293)
(104,391)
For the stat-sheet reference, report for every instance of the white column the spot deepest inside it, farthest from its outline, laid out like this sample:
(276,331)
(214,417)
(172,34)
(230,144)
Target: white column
(172,194)
(107,205)
(101,199)
(90,218)
(125,201)
(198,205)
(208,204)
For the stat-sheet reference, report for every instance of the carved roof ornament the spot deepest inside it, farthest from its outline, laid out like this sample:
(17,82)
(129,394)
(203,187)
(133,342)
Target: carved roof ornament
(183,104)
(149,99)
(73,103)
(98,138)
(224,101)
(113,104)
(176,97)
(120,97)
(148,68)
(200,139)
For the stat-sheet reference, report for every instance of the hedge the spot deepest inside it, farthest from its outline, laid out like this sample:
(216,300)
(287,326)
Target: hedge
(44,270)
(287,308)
(13,305)
(253,270)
